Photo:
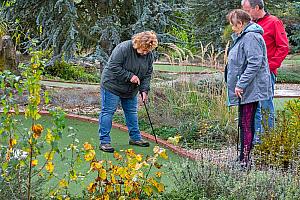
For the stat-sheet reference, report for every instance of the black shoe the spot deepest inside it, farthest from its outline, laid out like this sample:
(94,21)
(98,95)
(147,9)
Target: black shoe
(107,148)
(141,143)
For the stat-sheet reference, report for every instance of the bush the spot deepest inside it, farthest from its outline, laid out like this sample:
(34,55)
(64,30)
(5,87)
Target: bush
(13,186)
(67,71)
(204,180)
(281,147)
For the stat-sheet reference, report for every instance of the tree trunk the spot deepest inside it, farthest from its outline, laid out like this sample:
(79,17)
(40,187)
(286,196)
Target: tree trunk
(8,55)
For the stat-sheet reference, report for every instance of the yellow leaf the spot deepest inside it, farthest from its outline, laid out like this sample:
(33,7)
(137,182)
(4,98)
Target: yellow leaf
(12,142)
(96,165)
(117,156)
(34,163)
(49,167)
(148,190)
(164,155)
(102,174)
(73,175)
(113,179)
(174,140)
(37,130)
(87,146)
(128,186)
(160,187)
(90,155)
(30,141)
(109,188)
(121,171)
(139,157)
(92,187)
(106,197)
(158,174)
(49,155)
(49,136)
(63,183)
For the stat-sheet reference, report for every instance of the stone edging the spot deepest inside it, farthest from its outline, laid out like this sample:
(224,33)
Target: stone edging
(70,82)
(176,149)
(187,73)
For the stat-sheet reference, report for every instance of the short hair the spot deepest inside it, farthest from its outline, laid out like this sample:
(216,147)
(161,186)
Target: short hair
(238,15)
(253,3)
(147,40)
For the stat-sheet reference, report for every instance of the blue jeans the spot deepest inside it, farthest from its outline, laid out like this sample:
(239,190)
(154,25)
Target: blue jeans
(265,114)
(109,106)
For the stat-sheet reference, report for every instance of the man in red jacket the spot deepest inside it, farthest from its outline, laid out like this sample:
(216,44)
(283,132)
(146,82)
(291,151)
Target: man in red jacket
(277,49)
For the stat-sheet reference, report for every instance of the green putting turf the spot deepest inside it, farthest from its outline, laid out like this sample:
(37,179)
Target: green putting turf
(88,132)
(177,68)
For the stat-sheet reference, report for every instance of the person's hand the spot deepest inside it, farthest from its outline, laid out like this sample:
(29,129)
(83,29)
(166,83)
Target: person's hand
(144,96)
(135,80)
(238,92)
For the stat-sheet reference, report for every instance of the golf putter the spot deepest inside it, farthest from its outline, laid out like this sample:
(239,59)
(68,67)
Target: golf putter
(149,119)
(238,127)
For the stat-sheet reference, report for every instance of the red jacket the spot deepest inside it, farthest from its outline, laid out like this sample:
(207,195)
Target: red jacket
(276,40)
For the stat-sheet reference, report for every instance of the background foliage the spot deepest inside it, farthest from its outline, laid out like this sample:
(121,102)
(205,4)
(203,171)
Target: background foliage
(91,29)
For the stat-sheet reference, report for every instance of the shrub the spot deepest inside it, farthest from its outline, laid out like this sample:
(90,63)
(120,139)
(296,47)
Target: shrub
(67,71)
(128,178)
(281,147)
(205,180)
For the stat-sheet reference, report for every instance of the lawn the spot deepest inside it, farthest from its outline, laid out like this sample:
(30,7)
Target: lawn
(289,72)
(88,132)
(182,69)
(292,61)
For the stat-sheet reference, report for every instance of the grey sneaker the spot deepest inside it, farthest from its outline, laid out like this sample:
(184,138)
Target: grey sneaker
(141,143)
(107,148)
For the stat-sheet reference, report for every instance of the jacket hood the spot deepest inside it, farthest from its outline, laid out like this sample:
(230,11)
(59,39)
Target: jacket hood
(251,27)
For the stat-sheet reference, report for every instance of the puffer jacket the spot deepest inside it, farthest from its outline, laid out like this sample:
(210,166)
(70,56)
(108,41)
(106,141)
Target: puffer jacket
(248,67)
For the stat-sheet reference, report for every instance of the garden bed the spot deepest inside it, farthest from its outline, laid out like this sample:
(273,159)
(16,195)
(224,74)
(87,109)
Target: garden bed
(86,130)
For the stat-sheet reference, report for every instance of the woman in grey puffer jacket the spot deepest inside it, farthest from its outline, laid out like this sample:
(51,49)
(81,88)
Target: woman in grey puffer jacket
(248,76)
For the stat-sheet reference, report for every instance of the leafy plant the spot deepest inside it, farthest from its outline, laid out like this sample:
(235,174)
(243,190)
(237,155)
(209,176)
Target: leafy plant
(128,178)
(27,141)
(68,71)
(281,147)
(207,180)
